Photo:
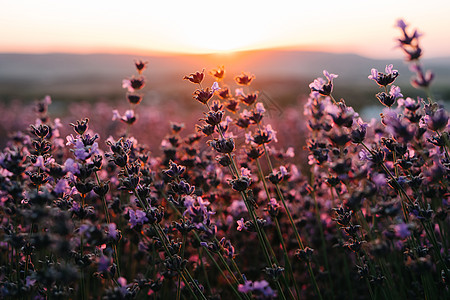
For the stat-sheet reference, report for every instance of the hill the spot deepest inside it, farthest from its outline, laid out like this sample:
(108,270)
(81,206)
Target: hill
(281,74)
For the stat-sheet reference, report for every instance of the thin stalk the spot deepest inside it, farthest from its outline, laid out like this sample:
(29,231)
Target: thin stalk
(108,220)
(247,204)
(280,235)
(179,277)
(286,258)
(202,265)
(322,237)
(207,252)
(224,276)
(430,233)
(369,287)
(83,285)
(163,238)
(296,233)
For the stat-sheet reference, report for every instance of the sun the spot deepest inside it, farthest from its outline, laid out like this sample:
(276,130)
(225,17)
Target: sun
(219,39)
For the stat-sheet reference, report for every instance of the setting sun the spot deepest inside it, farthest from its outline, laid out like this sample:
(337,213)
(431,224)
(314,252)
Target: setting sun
(205,26)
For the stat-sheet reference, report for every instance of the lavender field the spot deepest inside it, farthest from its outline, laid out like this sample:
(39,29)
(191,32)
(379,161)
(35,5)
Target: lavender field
(225,192)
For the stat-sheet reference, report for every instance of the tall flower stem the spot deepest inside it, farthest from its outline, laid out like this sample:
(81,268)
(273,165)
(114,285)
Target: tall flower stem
(163,238)
(179,277)
(108,220)
(428,231)
(197,237)
(322,236)
(278,230)
(291,220)
(248,205)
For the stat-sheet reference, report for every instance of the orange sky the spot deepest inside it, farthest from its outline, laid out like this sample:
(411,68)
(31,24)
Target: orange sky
(142,27)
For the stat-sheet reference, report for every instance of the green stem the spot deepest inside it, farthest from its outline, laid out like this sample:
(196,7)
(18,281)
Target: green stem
(296,233)
(108,220)
(179,277)
(280,235)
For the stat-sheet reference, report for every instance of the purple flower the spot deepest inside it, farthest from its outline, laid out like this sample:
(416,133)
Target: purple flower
(421,80)
(395,92)
(137,217)
(402,131)
(112,231)
(71,166)
(261,288)
(103,263)
(245,172)
(62,186)
(409,103)
(241,224)
(379,179)
(80,151)
(133,84)
(321,87)
(364,155)
(271,132)
(401,24)
(129,117)
(188,201)
(407,40)
(384,79)
(29,281)
(438,120)
(215,87)
(402,230)
(283,171)
(260,108)
(246,287)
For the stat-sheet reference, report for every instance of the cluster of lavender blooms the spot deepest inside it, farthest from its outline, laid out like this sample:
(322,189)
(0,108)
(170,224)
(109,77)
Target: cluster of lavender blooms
(410,45)
(222,210)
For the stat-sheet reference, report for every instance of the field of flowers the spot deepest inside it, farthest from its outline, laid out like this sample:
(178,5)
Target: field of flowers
(318,204)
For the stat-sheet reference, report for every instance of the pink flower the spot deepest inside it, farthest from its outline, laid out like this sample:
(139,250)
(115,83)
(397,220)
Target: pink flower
(241,224)
(272,133)
(246,172)
(215,87)
(260,108)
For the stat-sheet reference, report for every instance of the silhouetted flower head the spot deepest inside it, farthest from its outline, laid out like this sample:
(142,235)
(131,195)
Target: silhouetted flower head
(140,66)
(384,79)
(249,99)
(218,73)
(222,145)
(438,120)
(321,87)
(407,39)
(203,95)
(134,98)
(244,79)
(421,80)
(128,118)
(196,77)
(133,84)
(81,126)
(389,99)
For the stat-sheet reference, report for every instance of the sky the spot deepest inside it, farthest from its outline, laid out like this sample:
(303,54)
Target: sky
(144,27)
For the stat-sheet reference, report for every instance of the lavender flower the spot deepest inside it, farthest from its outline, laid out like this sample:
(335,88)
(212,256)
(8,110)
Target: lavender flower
(321,87)
(384,79)
(137,217)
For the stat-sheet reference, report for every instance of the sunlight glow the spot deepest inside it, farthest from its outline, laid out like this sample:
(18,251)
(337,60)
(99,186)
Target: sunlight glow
(210,26)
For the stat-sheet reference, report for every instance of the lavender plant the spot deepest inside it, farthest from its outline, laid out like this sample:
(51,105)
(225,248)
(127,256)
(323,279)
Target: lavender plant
(223,209)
